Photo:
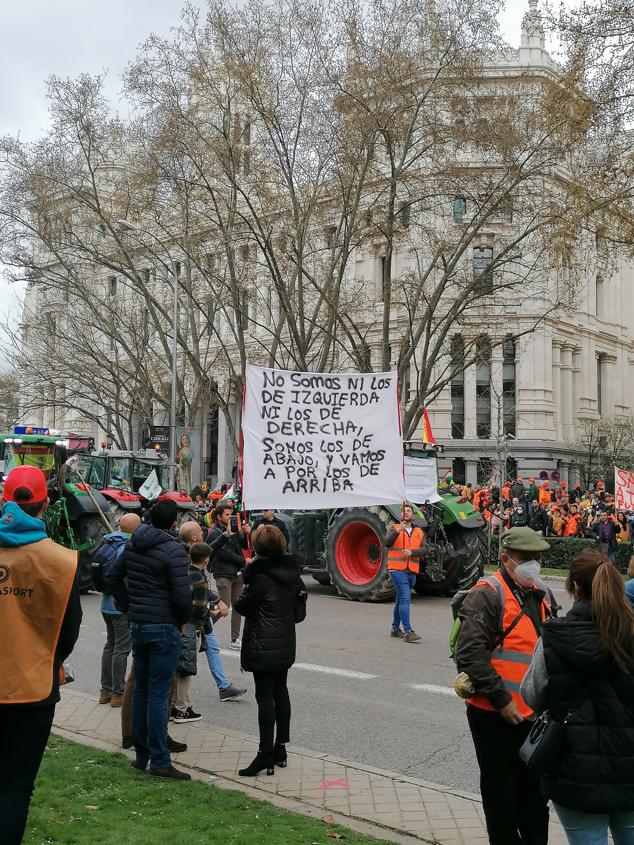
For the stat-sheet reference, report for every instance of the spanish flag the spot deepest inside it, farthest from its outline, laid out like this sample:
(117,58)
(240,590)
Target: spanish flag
(428,434)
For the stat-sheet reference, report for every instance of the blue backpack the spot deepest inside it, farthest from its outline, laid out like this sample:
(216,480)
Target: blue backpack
(107,552)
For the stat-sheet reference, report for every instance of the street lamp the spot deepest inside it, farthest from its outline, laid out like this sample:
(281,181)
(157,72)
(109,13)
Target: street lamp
(126,225)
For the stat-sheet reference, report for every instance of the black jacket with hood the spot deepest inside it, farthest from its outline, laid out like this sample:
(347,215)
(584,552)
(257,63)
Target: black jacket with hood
(268,604)
(227,559)
(155,566)
(597,766)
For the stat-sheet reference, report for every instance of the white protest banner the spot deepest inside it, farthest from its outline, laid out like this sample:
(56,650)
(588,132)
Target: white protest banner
(623,489)
(314,440)
(151,487)
(421,480)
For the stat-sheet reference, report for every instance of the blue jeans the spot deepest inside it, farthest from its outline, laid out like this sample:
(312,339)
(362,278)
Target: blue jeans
(592,828)
(404,582)
(156,649)
(215,663)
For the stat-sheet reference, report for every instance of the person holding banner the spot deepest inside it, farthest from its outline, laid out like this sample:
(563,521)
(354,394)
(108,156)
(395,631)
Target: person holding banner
(404,549)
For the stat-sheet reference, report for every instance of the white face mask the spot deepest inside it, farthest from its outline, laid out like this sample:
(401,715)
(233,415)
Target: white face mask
(526,573)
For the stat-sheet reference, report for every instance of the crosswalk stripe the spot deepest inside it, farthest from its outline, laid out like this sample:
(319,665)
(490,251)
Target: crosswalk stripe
(316,667)
(433,688)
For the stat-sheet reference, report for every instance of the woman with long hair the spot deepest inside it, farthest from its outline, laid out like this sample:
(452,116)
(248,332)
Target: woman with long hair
(272,585)
(583,669)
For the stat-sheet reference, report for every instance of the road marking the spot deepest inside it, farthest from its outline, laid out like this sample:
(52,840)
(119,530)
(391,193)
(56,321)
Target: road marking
(315,667)
(433,688)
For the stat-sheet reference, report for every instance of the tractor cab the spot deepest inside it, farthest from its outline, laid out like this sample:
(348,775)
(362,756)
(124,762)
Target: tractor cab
(124,471)
(36,447)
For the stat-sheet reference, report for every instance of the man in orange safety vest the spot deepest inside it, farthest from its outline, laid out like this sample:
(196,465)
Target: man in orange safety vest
(404,544)
(501,619)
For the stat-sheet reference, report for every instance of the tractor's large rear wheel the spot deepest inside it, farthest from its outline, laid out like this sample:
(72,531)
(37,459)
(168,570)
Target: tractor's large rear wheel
(88,527)
(355,554)
(116,512)
(464,567)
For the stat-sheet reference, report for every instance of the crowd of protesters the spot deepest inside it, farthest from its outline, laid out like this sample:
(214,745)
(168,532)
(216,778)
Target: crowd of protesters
(553,510)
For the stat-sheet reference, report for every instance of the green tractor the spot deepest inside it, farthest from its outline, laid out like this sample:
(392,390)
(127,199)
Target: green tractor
(77,515)
(346,547)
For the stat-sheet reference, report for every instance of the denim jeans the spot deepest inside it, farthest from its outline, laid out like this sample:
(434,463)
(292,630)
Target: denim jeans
(215,663)
(155,649)
(114,658)
(24,731)
(592,828)
(404,583)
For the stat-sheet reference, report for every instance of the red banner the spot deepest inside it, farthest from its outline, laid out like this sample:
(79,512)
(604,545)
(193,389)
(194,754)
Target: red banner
(623,489)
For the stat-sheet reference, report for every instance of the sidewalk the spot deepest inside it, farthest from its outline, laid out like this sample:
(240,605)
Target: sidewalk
(385,804)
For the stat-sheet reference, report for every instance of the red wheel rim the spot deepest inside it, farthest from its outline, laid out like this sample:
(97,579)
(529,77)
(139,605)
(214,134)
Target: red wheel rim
(358,553)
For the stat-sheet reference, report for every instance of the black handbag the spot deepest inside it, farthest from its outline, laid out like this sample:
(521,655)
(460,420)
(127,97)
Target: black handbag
(543,747)
(300,604)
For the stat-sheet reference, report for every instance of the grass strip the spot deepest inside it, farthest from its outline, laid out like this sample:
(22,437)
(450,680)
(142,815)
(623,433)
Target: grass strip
(84,796)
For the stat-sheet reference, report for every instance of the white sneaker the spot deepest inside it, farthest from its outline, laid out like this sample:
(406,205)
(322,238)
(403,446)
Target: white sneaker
(236,645)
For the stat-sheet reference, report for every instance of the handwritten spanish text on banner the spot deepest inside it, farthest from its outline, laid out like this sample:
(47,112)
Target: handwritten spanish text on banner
(623,489)
(314,440)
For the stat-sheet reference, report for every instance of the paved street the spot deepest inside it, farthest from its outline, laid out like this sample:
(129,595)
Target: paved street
(356,692)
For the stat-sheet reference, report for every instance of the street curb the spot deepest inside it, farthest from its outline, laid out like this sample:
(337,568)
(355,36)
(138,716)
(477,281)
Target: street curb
(352,822)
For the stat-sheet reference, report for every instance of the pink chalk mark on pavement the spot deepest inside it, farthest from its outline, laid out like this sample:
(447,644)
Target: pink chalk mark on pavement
(342,783)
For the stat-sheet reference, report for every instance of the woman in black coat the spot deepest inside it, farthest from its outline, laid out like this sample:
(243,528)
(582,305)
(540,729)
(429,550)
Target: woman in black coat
(272,584)
(584,666)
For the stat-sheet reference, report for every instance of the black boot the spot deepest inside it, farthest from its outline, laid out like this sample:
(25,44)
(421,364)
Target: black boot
(279,755)
(175,747)
(262,761)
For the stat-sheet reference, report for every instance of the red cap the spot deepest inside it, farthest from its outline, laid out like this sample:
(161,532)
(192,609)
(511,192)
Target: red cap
(31,478)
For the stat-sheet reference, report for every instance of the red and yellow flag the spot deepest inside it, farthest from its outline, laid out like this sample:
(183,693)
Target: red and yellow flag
(428,434)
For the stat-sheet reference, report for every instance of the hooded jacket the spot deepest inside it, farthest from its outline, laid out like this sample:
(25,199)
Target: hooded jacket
(268,604)
(597,767)
(23,541)
(155,565)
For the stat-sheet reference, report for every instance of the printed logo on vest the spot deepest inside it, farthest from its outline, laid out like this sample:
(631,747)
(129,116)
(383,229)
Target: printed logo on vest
(4,573)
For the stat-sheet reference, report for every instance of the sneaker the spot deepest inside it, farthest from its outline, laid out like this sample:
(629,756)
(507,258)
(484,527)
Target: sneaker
(231,693)
(171,773)
(175,747)
(105,696)
(236,645)
(186,716)
(127,742)
(173,712)
(396,632)
(139,765)
(412,637)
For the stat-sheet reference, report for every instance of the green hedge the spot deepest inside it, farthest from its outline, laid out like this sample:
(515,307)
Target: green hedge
(563,549)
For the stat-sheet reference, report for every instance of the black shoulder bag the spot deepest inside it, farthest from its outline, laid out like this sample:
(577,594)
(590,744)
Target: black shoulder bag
(542,749)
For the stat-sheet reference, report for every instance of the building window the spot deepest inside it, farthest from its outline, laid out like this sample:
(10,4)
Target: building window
(511,468)
(459,209)
(483,387)
(457,387)
(508,386)
(384,270)
(599,293)
(246,133)
(482,270)
(244,311)
(403,216)
(459,471)
(330,237)
(211,464)
(485,470)
(112,285)
(600,385)
(505,210)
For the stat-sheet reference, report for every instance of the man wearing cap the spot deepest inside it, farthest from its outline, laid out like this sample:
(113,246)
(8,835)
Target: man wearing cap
(40,615)
(501,619)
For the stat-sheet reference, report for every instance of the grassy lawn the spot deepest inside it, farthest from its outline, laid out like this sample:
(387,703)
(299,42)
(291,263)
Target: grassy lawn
(87,796)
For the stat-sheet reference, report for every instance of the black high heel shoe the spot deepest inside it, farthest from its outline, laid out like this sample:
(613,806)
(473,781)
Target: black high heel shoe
(279,755)
(261,762)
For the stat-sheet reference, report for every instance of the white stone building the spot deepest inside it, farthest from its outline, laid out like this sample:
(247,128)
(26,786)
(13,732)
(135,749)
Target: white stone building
(522,401)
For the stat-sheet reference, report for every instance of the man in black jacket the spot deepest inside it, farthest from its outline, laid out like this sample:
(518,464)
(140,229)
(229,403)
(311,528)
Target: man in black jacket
(540,521)
(158,602)
(227,561)
(268,517)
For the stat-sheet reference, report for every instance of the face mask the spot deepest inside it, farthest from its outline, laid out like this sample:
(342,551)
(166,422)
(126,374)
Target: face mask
(526,573)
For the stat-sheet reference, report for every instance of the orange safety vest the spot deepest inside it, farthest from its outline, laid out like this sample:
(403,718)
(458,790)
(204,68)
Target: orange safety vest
(511,658)
(544,496)
(35,585)
(396,560)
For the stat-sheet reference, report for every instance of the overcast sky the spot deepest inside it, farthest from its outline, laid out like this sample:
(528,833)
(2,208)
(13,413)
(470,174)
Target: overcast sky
(69,37)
